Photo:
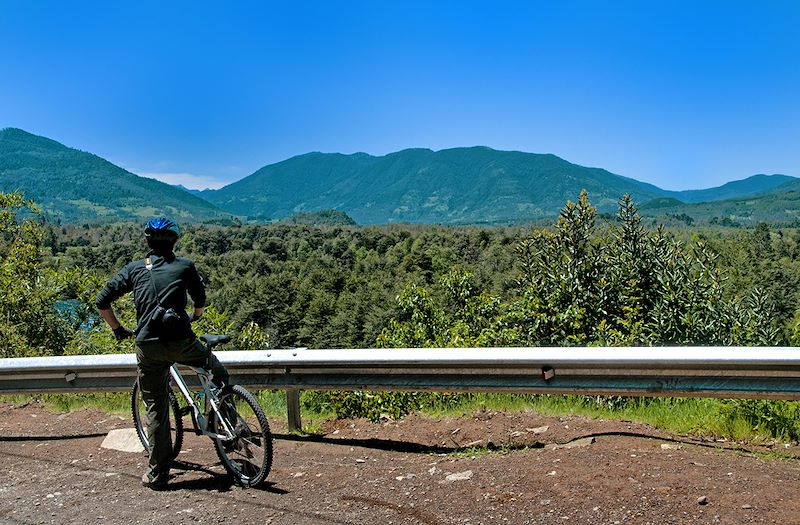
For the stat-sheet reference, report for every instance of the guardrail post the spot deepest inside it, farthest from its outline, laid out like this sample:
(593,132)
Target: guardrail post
(293,409)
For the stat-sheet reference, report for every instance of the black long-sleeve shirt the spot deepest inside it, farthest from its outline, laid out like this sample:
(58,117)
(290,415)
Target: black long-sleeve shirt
(173,277)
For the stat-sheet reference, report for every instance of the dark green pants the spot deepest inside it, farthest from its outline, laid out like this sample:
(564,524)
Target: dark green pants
(154,360)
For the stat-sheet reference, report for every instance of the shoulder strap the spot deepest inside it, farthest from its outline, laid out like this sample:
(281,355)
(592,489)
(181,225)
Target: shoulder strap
(148,264)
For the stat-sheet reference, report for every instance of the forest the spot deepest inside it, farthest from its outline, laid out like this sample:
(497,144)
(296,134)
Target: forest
(584,281)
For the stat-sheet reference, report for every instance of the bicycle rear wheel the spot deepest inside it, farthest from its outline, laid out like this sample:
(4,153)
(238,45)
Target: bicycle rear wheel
(139,412)
(248,456)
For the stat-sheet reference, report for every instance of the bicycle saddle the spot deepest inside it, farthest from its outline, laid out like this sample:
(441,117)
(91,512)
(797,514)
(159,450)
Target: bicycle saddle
(214,340)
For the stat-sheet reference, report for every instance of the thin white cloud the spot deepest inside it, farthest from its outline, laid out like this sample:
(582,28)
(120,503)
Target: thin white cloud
(187,180)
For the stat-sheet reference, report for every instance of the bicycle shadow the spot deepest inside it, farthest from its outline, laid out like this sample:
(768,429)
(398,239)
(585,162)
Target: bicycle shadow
(212,482)
(52,438)
(410,447)
(390,445)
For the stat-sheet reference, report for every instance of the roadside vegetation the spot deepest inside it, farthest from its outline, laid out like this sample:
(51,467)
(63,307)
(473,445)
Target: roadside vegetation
(583,282)
(743,421)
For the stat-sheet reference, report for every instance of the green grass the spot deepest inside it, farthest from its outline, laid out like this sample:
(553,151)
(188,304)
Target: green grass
(274,405)
(272,402)
(113,403)
(683,416)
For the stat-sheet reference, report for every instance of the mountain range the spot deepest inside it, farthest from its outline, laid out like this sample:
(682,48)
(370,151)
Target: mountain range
(474,185)
(73,186)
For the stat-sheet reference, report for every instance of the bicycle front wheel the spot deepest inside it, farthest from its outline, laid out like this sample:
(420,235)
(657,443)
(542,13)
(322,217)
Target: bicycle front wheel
(139,412)
(248,456)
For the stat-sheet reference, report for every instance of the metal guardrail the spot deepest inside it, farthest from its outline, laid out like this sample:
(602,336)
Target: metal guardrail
(771,372)
(729,372)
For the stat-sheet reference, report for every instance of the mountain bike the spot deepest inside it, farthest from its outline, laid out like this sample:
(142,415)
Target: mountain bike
(230,416)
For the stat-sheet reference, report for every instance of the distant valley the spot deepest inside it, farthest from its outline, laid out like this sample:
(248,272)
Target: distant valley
(475,185)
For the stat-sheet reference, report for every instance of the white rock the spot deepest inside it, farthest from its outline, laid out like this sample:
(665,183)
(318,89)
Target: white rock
(460,476)
(538,430)
(670,446)
(124,440)
(407,476)
(578,443)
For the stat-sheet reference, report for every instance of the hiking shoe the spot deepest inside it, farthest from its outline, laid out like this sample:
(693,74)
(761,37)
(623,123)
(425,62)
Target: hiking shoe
(158,482)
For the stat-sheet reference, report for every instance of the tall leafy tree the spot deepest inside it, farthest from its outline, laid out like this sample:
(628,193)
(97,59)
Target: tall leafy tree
(29,323)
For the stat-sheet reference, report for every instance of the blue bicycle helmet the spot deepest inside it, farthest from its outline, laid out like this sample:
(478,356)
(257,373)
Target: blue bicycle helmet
(161,228)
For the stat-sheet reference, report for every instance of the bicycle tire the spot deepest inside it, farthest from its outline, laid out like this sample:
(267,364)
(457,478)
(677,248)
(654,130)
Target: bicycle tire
(248,457)
(138,411)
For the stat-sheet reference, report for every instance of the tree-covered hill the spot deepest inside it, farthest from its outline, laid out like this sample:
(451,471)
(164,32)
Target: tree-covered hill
(457,186)
(74,186)
(751,186)
(779,207)
(468,186)
(321,218)
(475,185)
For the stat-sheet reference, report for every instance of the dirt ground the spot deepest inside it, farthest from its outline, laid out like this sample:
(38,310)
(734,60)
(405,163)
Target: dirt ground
(414,471)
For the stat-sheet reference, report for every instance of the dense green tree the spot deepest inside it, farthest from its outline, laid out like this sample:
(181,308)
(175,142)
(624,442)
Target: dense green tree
(628,286)
(29,323)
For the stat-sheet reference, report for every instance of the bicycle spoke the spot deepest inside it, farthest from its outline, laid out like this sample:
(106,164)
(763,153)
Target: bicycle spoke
(249,446)
(139,412)
(248,456)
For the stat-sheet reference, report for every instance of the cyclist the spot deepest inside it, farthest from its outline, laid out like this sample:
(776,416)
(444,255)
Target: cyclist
(164,335)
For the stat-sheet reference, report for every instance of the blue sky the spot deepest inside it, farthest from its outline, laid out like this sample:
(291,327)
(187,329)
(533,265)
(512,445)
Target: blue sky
(682,94)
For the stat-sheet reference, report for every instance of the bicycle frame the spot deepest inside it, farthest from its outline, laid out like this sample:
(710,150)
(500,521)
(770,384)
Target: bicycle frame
(242,440)
(200,417)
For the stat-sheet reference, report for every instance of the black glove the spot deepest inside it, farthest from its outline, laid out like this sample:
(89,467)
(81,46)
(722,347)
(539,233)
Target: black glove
(121,333)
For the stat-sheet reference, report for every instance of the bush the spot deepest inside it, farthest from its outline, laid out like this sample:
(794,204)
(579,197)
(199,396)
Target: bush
(779,419)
